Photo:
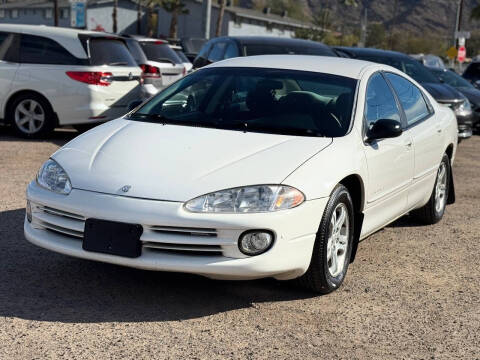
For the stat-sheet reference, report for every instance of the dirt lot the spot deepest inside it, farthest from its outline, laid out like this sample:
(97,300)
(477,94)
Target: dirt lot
(412,293)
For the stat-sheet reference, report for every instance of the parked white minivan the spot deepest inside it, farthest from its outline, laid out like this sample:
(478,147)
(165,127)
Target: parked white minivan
(52,76)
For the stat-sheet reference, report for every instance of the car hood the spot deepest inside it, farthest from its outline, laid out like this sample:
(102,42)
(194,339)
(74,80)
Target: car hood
(443,92)
(178,163)
(473,95)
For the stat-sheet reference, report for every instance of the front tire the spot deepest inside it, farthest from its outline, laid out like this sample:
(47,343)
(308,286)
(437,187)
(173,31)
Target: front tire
(433,211)
(333,245)
(31,116)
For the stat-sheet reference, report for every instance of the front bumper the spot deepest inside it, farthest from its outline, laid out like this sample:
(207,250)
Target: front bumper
(174,239)
(465,122)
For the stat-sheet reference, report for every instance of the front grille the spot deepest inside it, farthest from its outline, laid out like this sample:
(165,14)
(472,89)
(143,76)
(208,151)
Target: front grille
(172,239)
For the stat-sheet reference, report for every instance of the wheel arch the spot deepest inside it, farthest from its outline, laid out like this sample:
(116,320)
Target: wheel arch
(451,187)
(18,93)
(356,187)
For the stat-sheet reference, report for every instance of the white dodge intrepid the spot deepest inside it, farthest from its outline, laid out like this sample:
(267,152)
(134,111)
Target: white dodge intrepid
(268,166)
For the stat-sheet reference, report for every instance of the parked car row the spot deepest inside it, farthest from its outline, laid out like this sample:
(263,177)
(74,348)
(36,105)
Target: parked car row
(56,76)
(233,46)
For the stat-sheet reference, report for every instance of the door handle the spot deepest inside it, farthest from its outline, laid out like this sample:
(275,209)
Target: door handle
(408,144)
(439,131)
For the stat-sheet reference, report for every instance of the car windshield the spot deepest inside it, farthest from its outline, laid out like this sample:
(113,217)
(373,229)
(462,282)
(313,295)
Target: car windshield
(269,49)
(452,79)
(411,67)
(271,101)
(160,52)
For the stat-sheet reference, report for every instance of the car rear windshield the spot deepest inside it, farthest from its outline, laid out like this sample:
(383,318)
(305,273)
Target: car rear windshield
(182,56)
(136,51)
(265,49)
(160,52)
(110,52)
(411,67)
(270,101)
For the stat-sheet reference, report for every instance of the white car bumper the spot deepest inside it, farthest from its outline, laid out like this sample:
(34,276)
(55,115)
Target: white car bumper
(174,239)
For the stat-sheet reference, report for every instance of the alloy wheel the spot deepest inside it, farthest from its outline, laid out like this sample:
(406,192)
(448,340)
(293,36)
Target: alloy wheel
(441,188)
(338,240)
(29,116)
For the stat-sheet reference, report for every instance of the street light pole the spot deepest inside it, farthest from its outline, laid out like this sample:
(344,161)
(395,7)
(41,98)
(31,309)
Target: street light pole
(55,12)
(207,13)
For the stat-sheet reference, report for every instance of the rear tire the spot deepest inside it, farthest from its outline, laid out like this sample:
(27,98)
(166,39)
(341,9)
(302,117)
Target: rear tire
(333,245)
(433,211)
(31,116)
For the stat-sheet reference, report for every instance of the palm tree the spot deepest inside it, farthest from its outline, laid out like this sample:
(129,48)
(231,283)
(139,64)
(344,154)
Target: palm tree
(220,17)
(175,7)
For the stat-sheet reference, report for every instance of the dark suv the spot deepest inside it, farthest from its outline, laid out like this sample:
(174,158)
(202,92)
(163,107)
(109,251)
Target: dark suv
(234,46)
(443,93)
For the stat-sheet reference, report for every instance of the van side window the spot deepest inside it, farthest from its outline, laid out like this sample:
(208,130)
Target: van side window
(41,50)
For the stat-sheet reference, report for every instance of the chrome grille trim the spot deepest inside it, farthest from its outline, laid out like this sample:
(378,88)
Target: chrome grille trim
(62,230)
(180,247)
(57,212)
(184,230)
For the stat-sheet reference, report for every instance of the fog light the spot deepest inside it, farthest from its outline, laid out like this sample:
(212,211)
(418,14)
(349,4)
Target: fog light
(29,211)
(255,242)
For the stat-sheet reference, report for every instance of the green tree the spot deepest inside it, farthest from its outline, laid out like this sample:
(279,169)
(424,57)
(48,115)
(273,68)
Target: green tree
(176,8)
(376,35)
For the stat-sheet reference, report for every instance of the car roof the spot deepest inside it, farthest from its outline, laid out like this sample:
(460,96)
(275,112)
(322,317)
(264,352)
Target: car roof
(145,38)
(268,40)
(67,37)
(322,64)
(44,30)
(371,51)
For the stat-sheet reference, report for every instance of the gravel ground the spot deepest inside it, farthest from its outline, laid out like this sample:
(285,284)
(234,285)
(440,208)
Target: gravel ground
(412,293)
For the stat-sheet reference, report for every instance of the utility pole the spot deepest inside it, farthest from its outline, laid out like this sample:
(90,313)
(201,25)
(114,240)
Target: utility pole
(207,13)
(458,21)
(363,29)
(218,32)
(114,16)
(55,12)
(139,17)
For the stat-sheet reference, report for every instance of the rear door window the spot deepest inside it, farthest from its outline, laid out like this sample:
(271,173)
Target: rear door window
(410,97)
(110,52)
(160,52)
(42,50)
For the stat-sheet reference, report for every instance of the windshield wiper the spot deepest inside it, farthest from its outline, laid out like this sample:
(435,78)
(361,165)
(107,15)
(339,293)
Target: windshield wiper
(247,127)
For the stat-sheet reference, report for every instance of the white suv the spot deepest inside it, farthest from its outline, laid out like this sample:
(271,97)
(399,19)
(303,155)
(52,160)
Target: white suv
(57,76)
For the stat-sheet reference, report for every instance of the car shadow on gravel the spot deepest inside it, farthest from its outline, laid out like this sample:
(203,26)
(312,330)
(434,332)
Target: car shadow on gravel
(40,285)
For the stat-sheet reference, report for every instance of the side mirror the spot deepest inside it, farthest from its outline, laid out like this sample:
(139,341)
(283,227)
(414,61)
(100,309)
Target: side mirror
(133,105)
(384,128)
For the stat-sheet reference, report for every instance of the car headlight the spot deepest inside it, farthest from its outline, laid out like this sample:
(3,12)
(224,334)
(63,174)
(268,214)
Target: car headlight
(51,176)
(258,198)
(465,106)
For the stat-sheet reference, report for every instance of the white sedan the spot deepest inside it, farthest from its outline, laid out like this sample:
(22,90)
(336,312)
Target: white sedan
(268,166)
